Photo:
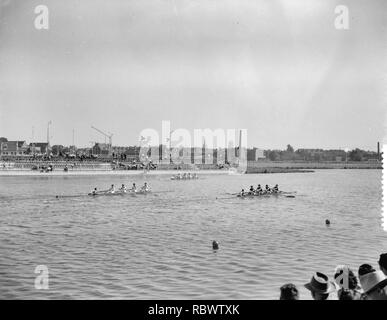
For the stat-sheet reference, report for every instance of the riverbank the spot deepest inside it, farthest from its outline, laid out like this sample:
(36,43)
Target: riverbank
(108,172)
(34,168)
(276,170)
(284,167)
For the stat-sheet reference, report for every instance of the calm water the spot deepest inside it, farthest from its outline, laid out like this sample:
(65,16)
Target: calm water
(159,245)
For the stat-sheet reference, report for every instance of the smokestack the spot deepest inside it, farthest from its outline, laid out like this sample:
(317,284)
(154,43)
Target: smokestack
(378,151)
(239,144)
(240,139)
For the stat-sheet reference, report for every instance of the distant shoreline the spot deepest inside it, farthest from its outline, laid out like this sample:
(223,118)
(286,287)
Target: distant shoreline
(80,172)
(283,167)
(75,168)
(108,172)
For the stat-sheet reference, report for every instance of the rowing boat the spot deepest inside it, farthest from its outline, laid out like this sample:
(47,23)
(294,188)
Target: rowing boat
(118,193)
(276,194)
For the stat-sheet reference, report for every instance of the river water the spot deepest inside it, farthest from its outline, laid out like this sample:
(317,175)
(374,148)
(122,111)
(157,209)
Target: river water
(159,245)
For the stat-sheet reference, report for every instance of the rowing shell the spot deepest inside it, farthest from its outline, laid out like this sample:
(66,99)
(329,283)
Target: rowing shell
(117,193)
(276,194)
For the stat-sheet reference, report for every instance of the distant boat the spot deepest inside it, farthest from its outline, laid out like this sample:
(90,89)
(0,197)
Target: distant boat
(235,171)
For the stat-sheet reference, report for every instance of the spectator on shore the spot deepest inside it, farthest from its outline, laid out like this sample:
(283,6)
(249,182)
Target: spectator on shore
(383,263)
(349,288)
(320,286)
(289,292)
(374,283)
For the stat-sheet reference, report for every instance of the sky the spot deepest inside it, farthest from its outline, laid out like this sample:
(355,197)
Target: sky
(279,69)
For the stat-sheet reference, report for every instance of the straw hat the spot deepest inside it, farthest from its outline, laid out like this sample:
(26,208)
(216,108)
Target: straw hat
(320,284)
(372,280)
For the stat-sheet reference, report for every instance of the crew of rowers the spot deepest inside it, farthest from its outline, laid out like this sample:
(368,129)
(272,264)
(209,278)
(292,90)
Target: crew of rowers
(123,189)
(185,176)
(259,190)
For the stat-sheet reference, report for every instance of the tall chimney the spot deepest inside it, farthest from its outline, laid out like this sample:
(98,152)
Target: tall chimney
(378,151)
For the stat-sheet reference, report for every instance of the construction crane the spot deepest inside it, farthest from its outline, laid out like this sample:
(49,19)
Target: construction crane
(109,136)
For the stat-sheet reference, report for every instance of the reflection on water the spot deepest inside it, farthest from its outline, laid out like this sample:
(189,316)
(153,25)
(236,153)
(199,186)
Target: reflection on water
(160,245)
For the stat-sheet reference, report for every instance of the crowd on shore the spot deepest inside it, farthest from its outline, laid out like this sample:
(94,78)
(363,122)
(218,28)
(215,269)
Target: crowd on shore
(370,284)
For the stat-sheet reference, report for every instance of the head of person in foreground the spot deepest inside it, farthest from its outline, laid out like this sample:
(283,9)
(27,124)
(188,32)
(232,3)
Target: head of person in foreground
(374,283)
(383,263)
(289,292)
(320,286)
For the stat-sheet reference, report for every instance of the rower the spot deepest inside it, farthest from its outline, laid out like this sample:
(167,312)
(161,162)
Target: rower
(242,193)
(123,188)
(251,191)
(259,189)
(145,187)
(134,188)
(94,192)
(267,189)
(275,189)
(111,189)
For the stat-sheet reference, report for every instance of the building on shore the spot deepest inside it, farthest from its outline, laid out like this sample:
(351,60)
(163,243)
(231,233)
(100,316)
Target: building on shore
(39,148)
(13,148)
(255,154)
(100,149)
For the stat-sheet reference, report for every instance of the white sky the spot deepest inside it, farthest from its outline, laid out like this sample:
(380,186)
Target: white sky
(276,68)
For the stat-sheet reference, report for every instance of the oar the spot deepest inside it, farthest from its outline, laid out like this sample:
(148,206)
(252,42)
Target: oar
(165,191)
(223,198)
(288,192)
(70,196)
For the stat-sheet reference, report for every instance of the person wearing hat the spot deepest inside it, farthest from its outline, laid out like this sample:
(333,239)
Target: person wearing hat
(383,263)
(374,283)
(320,286)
